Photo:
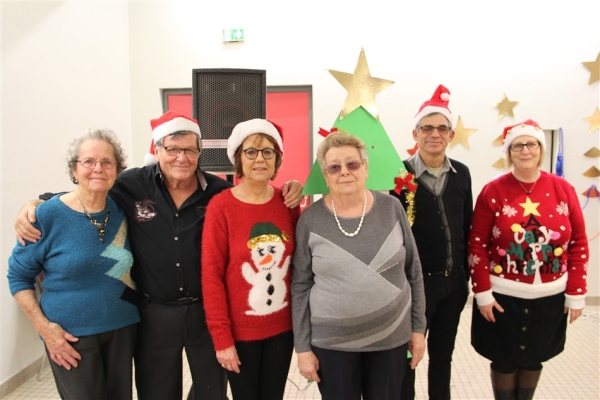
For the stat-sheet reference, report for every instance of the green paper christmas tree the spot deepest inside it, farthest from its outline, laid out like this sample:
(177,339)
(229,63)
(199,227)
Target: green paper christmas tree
(359,117)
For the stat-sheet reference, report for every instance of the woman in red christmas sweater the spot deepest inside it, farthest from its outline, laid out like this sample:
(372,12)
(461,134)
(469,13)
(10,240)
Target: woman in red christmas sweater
(248,241)
(528,255)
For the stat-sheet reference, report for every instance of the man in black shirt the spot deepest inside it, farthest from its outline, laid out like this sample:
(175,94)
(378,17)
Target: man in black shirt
(165,204)
(439,210)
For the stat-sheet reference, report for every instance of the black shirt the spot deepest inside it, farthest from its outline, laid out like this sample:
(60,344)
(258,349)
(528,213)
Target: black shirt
(165,241)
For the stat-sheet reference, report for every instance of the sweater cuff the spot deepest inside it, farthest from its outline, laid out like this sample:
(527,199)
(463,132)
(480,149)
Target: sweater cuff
(484,298)
(575,302)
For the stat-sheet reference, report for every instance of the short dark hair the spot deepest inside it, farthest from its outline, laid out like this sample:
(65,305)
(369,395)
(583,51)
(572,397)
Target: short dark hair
(237,165)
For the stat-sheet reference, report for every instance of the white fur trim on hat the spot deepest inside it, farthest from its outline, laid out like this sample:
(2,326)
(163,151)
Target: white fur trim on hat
(437,104)
(526,128)
(244,129)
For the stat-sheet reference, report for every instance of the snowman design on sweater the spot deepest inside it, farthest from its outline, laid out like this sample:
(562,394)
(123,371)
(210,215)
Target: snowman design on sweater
(268,269)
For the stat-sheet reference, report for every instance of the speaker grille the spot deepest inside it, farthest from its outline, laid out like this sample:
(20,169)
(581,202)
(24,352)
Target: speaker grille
(222,98)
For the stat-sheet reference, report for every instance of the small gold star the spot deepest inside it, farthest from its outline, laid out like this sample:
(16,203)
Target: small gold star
(461,134)
(594,68)
(594,120)
(505,107)
(361,87)
(530,207)
(498,141)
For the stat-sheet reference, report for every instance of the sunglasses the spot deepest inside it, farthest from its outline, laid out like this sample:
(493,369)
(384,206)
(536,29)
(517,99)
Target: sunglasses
(335,169)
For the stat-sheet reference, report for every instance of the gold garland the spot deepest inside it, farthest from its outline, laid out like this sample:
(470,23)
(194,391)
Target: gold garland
(406,180)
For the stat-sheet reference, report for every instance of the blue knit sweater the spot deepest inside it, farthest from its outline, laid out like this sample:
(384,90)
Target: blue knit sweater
(87,284)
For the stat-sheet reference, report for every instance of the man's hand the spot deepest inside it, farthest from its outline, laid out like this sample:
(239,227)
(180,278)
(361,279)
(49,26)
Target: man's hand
(292,193)
(228,358)
(488,311)
(308,364)
(416,346)
(23,225)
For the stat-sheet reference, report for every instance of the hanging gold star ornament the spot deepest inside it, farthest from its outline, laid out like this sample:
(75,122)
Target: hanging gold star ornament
(361,87)
(461,134)
(594,120)
(594,68)
(505,107)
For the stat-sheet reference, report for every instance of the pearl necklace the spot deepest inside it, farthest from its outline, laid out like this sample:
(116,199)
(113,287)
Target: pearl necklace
(100,226)
(362,217)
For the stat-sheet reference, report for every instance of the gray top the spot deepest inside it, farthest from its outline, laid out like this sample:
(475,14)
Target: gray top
(363,293)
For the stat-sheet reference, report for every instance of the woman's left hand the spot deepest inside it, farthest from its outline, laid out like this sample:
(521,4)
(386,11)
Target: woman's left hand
(228,358)
(292,193)
(416,346)
(574,314)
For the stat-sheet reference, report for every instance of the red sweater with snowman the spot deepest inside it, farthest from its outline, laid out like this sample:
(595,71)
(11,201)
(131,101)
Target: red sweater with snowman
(246,268)
(528,245)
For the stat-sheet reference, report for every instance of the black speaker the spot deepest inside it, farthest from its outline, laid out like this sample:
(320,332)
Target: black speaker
(222,98)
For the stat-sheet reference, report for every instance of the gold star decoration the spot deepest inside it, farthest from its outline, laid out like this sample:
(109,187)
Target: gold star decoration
(594,68)
(594,120)
(461,134)
(500,164)
(530,207)
(498,141)
(592,172)
(594,152)
(361,87)
(505,107)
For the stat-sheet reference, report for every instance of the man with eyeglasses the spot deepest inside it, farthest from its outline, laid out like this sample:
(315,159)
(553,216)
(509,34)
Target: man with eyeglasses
(165,202)
(442,208)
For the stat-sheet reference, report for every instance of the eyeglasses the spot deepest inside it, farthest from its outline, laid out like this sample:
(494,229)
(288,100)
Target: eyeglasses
(335,169)
(428,129)
(267,153)
(175,151)
(90,163)
(519,146)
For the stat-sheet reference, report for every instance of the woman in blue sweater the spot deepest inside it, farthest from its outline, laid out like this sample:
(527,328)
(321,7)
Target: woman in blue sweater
(87,314)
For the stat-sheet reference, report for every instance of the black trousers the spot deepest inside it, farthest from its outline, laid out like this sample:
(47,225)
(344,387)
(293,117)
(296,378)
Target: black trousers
(264,370)
(348,375)
(164,332)
(105,369)
(445,299)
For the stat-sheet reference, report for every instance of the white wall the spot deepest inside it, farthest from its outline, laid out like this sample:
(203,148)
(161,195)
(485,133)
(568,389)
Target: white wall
(120,55)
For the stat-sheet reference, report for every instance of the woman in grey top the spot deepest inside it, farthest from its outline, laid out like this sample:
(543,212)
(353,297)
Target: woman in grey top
(357,289)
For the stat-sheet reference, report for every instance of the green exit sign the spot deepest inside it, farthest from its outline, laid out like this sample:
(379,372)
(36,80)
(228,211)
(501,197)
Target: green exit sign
(233,35)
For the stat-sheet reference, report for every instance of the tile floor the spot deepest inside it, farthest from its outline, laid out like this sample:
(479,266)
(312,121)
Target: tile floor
(574,374)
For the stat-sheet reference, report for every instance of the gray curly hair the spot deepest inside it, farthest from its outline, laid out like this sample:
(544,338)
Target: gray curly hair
(106,135)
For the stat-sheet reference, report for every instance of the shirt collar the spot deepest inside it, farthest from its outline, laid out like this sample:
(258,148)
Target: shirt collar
(420,167)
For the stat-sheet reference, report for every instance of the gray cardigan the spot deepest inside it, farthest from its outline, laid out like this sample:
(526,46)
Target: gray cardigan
(356,294)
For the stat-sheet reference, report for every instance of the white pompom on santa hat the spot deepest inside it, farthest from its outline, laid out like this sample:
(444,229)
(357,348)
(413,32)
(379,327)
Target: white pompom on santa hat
(525,128)
(437,104)
(244,129)
(168,124)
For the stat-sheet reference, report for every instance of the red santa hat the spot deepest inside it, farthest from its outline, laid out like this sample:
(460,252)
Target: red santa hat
(244,129)
(437,104)
(167,124)
(526,128)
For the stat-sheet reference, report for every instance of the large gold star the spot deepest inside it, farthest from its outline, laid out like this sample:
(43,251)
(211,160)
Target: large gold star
(594,120)
(530,207)
(461,134)
(361,87)
(594,68)
(505,107)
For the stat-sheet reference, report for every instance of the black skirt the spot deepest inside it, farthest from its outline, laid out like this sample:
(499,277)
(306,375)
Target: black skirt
(528,332)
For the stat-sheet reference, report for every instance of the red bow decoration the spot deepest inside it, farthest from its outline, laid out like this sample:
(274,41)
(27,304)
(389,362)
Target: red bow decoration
(325,132)
(408,180)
